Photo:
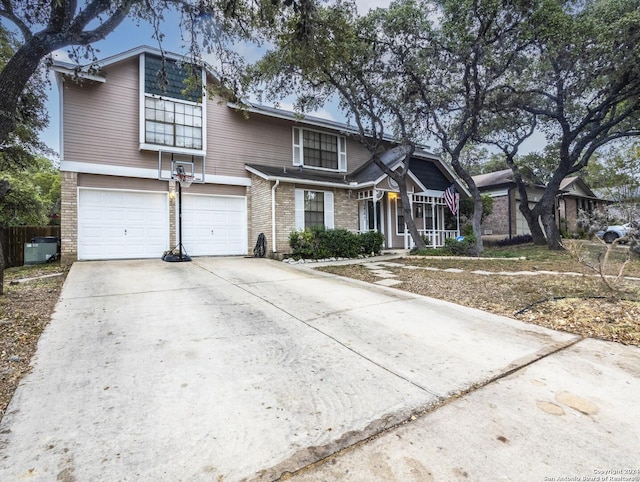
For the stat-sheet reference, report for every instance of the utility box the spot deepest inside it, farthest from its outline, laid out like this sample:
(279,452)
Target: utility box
(41,250)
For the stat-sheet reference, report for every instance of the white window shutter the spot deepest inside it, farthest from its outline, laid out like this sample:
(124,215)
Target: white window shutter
(297,146)
(299,208)
(328,210)
(342,154)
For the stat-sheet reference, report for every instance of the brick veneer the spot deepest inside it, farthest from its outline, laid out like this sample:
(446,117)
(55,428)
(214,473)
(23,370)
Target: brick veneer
(69,217)
(259,206)
(498,221)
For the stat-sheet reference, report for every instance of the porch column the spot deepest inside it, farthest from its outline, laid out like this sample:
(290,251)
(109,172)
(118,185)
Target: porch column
(434,227)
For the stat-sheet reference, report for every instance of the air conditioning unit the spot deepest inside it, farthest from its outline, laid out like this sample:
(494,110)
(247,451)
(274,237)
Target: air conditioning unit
(43,251)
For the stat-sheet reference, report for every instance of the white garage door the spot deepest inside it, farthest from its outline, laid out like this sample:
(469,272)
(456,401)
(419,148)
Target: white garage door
(214,225)
(122,224)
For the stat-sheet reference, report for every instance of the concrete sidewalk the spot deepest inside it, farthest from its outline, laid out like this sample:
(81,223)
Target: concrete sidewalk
(249,369)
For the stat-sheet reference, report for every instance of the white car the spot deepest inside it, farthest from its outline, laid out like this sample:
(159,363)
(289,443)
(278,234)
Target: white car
(614,232)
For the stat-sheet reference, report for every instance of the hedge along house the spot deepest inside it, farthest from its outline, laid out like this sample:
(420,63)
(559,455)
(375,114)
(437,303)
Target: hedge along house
(130,122)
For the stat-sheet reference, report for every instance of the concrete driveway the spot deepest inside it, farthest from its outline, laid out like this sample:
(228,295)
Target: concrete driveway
(233,369)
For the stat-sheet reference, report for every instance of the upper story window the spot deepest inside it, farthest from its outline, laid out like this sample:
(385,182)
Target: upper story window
(172,112)
(172,123)
(319,150)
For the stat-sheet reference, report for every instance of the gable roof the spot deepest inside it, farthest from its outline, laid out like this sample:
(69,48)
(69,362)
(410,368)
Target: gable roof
(493,179)
(578,185)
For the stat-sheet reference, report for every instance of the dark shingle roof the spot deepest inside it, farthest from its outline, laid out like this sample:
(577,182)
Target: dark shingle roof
(293,173)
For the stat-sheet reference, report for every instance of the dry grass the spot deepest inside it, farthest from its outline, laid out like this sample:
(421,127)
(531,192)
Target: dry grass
(578,303)
(25,310)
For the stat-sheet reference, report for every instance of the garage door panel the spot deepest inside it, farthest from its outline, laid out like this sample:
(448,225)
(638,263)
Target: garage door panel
(214,225)
(120,224)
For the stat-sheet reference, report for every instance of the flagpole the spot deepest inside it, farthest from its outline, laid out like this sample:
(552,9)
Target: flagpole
(458,215)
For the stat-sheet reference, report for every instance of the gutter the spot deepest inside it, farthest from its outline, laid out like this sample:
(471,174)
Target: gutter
(292,180)
(273,216)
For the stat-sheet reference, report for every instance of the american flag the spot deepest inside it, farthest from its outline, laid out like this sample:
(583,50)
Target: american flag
(451,198)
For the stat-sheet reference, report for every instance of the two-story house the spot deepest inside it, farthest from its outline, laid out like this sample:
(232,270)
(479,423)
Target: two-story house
(131,122)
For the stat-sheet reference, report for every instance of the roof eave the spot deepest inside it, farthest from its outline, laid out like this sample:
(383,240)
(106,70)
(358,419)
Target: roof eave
(291,180)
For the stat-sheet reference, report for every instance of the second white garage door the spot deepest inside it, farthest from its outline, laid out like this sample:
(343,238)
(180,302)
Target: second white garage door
(214,225)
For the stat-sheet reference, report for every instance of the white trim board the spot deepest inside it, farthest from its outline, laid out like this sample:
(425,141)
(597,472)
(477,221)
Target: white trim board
(139,172)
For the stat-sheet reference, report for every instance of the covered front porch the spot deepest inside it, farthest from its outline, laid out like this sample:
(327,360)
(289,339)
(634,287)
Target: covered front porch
(381,210)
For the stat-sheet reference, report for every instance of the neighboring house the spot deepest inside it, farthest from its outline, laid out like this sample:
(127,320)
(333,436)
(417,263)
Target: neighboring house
(256,170)
(575,196)
(507,220)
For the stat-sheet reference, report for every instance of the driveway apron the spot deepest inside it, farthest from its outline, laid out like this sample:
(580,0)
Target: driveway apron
(238,369)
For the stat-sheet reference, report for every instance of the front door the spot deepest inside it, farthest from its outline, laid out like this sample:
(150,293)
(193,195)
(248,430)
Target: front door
(371,219)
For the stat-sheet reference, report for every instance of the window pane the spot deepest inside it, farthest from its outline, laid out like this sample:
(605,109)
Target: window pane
(164,117)
(313,209)
(320,150)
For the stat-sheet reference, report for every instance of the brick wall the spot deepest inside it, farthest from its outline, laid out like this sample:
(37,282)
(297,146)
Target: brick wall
(69,217)
(498,221)
(259,206)
(346,209)
(285,216)
(259,209)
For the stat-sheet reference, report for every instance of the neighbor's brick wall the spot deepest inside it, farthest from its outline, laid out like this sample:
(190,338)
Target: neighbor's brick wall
(69,217)
(498,221)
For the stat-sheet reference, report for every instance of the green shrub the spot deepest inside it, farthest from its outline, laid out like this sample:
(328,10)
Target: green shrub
(320,243)
(452,247)
(303,243)
(371,242)
(465,247)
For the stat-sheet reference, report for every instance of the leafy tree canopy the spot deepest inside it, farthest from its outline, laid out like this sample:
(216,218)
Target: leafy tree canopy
(34,194)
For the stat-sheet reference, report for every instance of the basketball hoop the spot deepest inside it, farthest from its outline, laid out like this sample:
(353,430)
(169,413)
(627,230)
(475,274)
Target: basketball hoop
(184,180)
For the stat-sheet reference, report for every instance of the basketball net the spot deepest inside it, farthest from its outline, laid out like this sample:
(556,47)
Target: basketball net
(184,180)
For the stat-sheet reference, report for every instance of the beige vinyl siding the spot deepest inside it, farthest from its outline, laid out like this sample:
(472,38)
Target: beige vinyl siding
(221,189)
(234,140)
(101,121)
(118,182)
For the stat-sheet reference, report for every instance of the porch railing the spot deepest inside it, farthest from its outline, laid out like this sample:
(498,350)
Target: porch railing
(436,237)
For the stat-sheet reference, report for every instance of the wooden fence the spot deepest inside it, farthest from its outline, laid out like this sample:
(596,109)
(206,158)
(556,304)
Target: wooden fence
(13,240)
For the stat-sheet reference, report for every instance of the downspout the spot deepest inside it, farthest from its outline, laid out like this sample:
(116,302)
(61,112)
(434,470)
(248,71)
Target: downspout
(509,210)
(273,216)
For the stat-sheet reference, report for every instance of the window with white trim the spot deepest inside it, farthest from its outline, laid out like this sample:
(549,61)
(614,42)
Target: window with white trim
(313,208)
(172,123)
(172,109)
(319,150)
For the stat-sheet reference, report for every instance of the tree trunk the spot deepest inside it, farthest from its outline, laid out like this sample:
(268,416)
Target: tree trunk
(551,229)
(476,219)
(533,221)
(15,76)
(408,218)
(404,151)
(1,270)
